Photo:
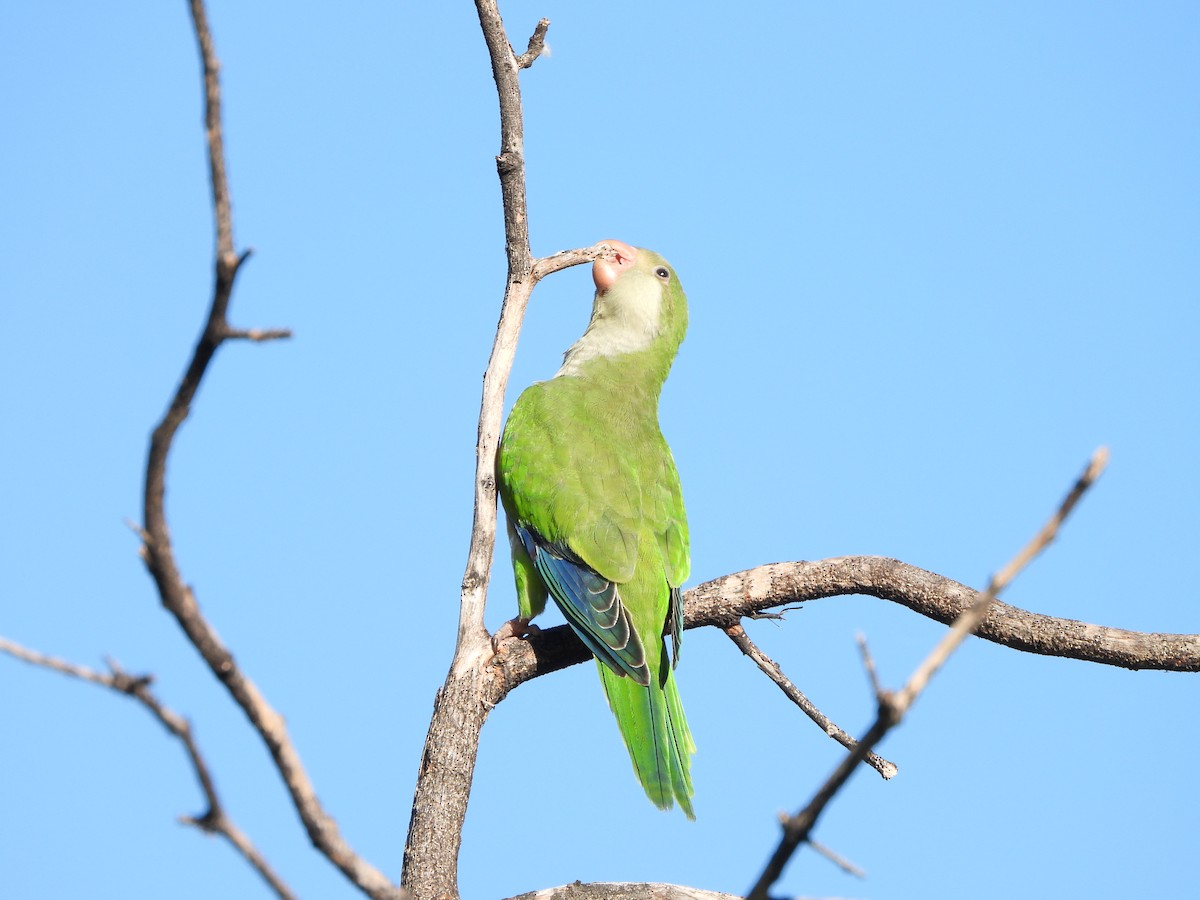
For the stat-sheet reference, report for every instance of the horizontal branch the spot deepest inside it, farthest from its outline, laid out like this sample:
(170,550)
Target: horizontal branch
(723,601)
(943,600)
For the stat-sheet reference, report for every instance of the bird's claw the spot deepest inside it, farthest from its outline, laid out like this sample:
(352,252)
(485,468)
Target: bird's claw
(518,627)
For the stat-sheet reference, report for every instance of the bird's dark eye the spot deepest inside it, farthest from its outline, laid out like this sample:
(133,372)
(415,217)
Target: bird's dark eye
(663,272)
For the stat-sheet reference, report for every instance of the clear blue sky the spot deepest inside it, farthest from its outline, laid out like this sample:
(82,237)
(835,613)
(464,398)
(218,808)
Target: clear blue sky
(936,253)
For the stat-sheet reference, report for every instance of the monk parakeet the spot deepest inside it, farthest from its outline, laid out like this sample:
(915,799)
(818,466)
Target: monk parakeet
(595,512)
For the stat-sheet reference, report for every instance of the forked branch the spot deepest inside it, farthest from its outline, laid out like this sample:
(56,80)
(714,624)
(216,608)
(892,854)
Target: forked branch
(214,820)
(893,707)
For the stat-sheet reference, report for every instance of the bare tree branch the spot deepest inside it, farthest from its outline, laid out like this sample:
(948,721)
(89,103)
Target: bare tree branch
(623,891)
(564,259)
(723,601)
(771,669)
(257,335)
(973,616)
(214,820)
(868,660)
(893,707)
(523,273)
(510,165)
(943,600)
(537,45)
(840,861)
(157,552)
(452,742)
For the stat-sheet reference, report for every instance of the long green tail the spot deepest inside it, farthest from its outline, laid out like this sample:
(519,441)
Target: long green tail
(656,733)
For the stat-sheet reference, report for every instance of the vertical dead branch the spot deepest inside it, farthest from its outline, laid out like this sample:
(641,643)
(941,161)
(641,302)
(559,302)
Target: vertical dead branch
(510,164)
(452,743)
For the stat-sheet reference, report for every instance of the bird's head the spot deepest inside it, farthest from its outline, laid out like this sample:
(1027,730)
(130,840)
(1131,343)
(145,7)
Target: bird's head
(639,304)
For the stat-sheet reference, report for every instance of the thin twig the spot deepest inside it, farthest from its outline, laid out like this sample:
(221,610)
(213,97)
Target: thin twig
(974,616)
(1044,538)
(864,650)
(222,206)
(840,861)
(893,707)
(537,45)
(214,820)
(176,596)
(257,335)
(771,669)
(564,259)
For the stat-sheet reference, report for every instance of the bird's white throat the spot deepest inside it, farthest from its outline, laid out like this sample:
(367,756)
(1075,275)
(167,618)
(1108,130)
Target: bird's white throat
(624,320)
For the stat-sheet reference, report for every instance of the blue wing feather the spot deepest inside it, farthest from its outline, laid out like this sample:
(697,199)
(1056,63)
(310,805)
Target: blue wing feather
(674,625)
(591,604)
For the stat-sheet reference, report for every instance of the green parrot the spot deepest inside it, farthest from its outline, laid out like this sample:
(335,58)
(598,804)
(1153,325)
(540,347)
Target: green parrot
(595,511)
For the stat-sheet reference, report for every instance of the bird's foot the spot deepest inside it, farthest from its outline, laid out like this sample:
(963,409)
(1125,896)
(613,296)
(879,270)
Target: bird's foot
(517,627)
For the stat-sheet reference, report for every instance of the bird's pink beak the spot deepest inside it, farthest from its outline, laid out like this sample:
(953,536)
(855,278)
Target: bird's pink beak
(605,272)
